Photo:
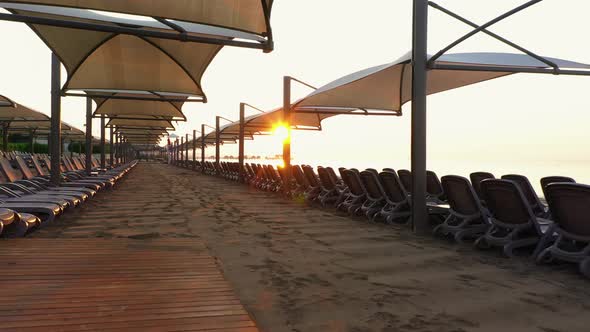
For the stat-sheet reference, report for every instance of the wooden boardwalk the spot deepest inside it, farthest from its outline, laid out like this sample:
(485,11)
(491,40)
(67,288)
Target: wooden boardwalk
(119,284)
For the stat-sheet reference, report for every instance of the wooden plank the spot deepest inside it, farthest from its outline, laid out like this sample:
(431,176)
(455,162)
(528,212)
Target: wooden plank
(115,285)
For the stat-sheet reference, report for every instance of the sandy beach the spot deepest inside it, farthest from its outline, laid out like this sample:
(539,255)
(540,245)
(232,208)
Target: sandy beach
(299,268)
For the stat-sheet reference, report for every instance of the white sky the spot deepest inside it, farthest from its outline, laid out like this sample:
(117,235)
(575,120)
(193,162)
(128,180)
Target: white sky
(519,118)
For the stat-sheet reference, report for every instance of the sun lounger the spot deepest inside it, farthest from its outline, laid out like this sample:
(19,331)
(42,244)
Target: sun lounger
(41,184)
(405,177)
(375,201)
(47,212)
(554,179)
(513,222)
(539,209)
(397,207)
(302,184)
(335,177)
(14,224)
(7,217)
(356,194)
(570,208)
(476,178)
(329,192)
(76,166)
(467,216)
(43,175)
(16,188)
(434,189)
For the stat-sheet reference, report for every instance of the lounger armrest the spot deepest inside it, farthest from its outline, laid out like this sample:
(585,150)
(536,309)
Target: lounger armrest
(19,188)
(30,184)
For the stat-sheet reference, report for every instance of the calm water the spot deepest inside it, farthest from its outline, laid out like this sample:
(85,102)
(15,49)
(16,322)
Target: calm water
(534,170)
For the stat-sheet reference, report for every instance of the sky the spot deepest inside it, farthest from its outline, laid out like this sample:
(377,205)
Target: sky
(520,119)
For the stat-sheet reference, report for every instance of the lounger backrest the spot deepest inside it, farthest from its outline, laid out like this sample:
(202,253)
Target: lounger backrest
(554,179)
(332,174)
(372,170)
(476,178)
(272,172)
(393,187)
(341,172)
(67,164)
(528,191)
(8,171)
(47,162)
(38,167)
(353,181)
(268,172)
(300,177)
(325,180)
(460,195)
(282,173)
(433,185)
(570,207)
(310,176)
(506,202)
(24,168)
(389,170)
(405,177)
(372,185)
(78,164)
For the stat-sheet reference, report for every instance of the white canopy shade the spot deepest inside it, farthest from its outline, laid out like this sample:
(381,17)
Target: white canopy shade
(4,102)
(13,112)
(148,109)
(242,18)
(141,45)
(388,87)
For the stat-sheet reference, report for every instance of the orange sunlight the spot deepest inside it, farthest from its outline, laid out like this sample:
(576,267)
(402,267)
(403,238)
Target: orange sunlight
(281,132)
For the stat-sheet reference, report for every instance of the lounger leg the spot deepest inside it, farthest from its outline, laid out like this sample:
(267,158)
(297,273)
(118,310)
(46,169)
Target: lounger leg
(544,257)
(442,227)
(510,247)
(585,267)
(544,242)
(17,229)
(470,231)
(482,243)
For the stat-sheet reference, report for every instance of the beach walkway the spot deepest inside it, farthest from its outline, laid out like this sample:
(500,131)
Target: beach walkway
(88,279)
(294,268)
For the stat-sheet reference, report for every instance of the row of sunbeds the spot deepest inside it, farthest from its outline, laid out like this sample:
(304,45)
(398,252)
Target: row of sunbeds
(27,198)
(505,212)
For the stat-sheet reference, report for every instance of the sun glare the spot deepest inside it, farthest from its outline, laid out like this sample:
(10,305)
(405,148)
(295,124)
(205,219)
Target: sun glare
(281,132)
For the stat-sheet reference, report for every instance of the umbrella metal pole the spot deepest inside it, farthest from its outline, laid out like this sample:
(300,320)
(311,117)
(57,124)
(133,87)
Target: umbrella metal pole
(203,148)
(194,150)
(287,141)
(217,140)
(32,140)
(419,119)
(181,150)
(88,135)
(5,136)
(111,147)
(103,157)
(177,150)
(186,151)
(241,143)
(55,148)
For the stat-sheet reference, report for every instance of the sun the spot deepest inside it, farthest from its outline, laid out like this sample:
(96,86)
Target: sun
(281,132)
